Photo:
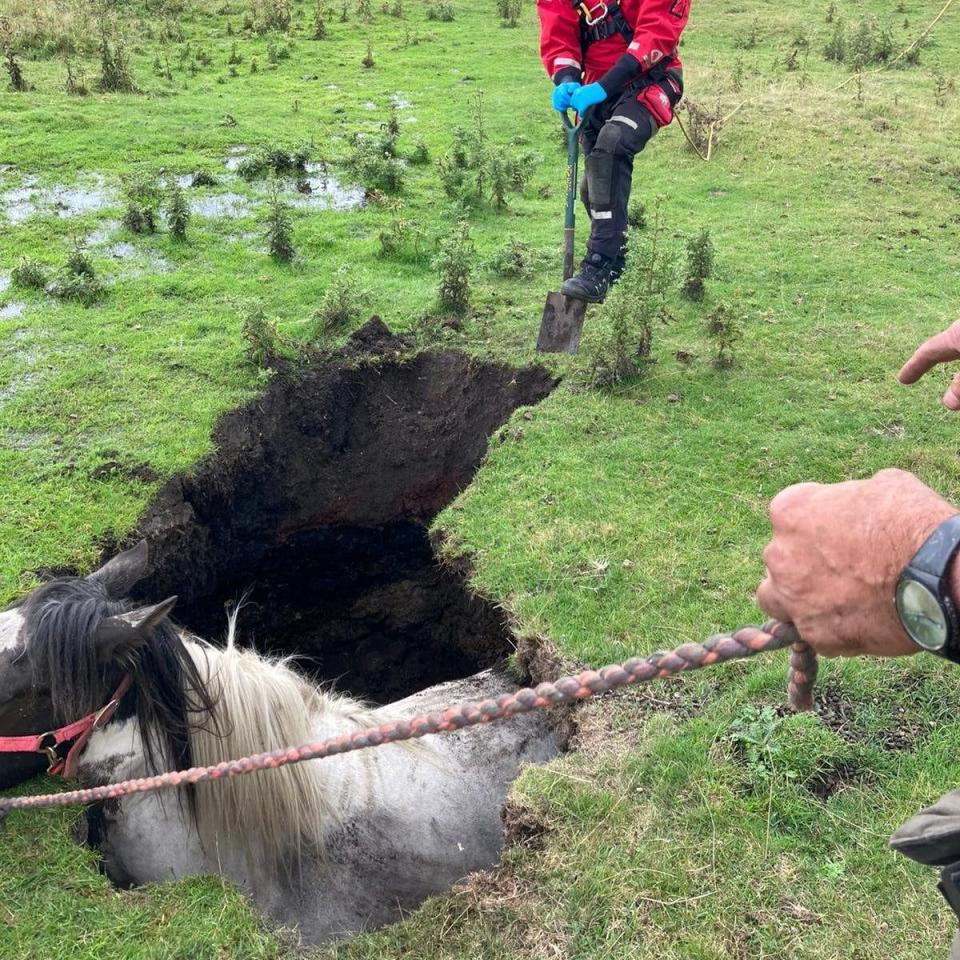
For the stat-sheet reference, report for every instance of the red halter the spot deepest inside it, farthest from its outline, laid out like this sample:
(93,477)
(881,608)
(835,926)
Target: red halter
(79,732)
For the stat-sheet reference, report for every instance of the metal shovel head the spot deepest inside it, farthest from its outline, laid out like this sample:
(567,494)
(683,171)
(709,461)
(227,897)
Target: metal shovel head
(561,325)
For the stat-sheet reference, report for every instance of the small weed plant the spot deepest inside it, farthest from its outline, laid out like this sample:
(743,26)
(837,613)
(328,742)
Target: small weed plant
(143,199)
(343,302)
(264,346)
(373,163)
(29,274)
(278,228)
(515,260)
(454,265)
(699,266)
(725,330)
(634,307)
(177,211)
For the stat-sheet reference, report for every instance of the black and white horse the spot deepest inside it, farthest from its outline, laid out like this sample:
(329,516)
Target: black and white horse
(332,846)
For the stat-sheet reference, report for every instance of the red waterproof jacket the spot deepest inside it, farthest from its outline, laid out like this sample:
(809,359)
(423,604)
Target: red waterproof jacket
(657,25)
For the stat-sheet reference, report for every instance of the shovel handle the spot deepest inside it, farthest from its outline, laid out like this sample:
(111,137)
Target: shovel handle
(573,159)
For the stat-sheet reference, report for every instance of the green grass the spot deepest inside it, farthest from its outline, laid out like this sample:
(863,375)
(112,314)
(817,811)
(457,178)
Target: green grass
(610,522)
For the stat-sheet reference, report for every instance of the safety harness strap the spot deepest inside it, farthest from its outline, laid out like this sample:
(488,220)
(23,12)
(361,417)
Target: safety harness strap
(599,20)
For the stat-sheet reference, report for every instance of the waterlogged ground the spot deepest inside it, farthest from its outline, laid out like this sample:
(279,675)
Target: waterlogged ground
(696,821)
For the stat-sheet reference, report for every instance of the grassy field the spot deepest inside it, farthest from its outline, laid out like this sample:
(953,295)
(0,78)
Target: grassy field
(695,821)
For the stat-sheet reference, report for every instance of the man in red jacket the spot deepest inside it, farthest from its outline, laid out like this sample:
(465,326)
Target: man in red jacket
(619,61)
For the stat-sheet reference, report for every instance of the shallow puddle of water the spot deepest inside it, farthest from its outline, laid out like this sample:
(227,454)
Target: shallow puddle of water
(326,192)
(12,310)
(230,205)
(237,153)
(90,195)
(5,281)
(150,261)
(399,102)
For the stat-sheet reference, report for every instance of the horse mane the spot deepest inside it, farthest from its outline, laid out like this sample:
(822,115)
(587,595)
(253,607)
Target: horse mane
(168,696)
(263,704)
(196,705)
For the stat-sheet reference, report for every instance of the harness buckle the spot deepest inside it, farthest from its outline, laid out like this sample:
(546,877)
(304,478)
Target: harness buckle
(588,10)
(50,750)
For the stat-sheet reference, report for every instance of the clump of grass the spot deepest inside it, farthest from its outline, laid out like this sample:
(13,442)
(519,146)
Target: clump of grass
(836,48)
(699,266)
(725,330)
(515,259)
(18,82)
(29,274)
(368,60)
(79,263)
(703,125)
(476,170)
(319,31)
(78,280)
(264,346)
(277,52)
(750,39)
(454,265)
(365,11)
(509,12)
(373,163)
(278,228)
(263,16)
(275,159)
(442,11)
(235,58)
(203,178)
(637,215)
(75,83)
(115,73)
(343,301)
(420,155)
(177,212)
(634,307)
(143,200)
(396,236)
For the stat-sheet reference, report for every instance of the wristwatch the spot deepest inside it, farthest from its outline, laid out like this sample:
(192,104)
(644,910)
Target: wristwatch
(926,609)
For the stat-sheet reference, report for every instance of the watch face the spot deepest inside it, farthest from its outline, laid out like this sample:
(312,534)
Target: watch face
(921,615)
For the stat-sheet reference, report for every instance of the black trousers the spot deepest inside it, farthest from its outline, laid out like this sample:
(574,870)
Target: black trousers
(614,133)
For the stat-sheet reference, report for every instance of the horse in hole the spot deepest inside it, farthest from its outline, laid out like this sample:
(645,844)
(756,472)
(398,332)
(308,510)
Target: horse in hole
(330,847)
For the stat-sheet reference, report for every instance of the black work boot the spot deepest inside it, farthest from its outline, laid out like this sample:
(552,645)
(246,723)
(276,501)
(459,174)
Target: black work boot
(593,281)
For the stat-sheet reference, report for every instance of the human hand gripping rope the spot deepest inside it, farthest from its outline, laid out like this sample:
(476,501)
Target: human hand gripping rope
(745,642)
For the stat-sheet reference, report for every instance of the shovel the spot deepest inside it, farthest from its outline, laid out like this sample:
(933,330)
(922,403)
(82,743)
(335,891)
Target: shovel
(563,316)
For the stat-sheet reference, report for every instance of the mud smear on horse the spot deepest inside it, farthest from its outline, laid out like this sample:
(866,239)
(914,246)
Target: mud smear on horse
(316,505)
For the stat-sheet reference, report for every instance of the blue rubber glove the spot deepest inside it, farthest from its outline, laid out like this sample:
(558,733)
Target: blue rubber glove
(562,95)
(587,97)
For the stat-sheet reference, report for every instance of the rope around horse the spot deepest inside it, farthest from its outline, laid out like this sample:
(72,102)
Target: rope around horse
(745,642)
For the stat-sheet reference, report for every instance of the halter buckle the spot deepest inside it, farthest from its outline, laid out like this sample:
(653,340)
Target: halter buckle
(50,750)
(589,9)
(106,709)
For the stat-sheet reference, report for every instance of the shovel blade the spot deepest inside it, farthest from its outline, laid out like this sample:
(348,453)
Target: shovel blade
(561,325)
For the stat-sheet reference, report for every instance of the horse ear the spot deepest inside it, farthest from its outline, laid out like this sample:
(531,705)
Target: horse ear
(118,636)
(121,574)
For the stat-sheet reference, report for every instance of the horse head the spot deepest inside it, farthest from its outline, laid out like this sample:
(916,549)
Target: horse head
(66,647)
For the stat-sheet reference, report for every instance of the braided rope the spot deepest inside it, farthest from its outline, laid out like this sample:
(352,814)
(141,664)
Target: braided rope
(745,642)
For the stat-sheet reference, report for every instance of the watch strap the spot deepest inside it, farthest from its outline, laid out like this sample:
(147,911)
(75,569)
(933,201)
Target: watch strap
(936,553)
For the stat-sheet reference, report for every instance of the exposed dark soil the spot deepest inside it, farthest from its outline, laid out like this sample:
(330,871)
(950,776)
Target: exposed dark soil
(832,779)
(522,827)
(840,715)
(317,502)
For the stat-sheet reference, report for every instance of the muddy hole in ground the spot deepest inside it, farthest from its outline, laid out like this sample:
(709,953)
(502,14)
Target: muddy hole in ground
(316,506)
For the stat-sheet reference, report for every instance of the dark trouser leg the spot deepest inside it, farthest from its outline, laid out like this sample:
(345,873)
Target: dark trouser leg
(610,174)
